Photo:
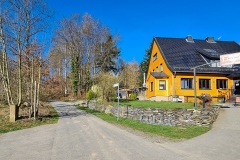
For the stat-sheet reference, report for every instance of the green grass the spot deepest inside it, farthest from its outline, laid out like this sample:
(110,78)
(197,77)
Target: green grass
(154,104)
(47,115)
(171,132)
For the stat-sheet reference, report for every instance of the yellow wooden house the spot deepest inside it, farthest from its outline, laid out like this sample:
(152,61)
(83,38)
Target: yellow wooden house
(171,77)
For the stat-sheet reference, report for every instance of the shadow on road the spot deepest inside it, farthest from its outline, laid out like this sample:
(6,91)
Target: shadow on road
(225,107)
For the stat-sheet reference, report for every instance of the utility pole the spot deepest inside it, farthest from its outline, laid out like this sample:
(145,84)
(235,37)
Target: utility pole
(117,85)
(195,90)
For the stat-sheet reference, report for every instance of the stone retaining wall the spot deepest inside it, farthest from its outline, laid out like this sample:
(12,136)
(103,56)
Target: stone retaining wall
(171,117)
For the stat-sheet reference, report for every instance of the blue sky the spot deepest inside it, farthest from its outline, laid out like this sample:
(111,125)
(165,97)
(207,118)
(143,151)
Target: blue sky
(138,21)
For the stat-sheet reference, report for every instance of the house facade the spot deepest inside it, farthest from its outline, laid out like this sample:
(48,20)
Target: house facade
(171,75)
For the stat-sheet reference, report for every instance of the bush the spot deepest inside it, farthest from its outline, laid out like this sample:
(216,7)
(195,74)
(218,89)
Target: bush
(207,97)
(112,98)
(133,96)
(90,95)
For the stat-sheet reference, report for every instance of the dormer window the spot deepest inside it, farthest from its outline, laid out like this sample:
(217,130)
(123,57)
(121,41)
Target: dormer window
(155,57)
(215,63)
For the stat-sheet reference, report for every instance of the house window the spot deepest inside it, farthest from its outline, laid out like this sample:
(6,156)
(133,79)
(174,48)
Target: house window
(155,57)
(162,85)
(157,69)
(161,68)
(151,86)
(186,83)
(221,84)
(215,63)
(204,83)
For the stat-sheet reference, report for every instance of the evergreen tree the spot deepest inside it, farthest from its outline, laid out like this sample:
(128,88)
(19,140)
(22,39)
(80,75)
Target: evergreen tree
(144,64)
(74,73)
(107,59)
(88,79)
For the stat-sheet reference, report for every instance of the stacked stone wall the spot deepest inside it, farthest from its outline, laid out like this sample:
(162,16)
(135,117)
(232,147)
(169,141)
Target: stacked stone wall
(171,117)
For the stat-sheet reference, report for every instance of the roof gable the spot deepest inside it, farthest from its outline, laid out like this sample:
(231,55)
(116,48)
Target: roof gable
(180,53)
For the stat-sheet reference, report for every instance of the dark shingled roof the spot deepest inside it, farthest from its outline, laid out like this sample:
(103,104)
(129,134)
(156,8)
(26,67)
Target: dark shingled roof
(159,74)
(182,55)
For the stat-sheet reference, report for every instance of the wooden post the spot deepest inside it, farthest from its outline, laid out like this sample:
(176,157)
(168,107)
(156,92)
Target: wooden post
(34,99)
(13,113)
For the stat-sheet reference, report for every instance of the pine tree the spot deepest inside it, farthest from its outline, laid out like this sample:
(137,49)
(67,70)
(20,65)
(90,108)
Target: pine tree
(74,73)
(107,59)
(144,64)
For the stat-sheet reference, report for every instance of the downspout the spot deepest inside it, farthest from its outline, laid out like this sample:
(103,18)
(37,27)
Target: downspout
(174,85)
(144,85)
(173,93)
(144,78)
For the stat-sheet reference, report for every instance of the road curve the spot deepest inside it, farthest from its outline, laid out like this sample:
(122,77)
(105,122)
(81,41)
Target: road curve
(79,135)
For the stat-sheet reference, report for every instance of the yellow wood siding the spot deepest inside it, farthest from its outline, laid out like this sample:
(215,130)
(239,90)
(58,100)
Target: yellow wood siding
(213,91)
(152,66)
(173,82)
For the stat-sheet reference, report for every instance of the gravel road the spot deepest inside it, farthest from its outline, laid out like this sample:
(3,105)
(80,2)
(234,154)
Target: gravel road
(79,135)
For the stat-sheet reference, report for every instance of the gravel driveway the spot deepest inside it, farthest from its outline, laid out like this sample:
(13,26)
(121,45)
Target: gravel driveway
(79,135)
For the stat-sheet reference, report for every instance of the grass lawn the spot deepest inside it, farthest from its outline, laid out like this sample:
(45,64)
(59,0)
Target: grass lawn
(47,115)
(171,132)
(154,104)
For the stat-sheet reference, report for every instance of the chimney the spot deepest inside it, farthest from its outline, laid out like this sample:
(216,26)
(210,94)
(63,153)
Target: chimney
(189,39)
(210,40)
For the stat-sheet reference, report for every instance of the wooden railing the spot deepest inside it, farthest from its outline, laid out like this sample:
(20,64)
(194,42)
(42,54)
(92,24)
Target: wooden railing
(226,93)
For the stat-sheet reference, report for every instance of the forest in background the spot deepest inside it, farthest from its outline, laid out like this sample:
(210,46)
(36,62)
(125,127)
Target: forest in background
(81,56)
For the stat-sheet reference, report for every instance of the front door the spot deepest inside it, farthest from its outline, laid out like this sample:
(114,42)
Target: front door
(237,87)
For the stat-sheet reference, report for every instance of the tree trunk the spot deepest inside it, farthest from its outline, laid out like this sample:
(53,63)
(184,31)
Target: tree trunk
(19,71)
(32,91)
(34,100)
(38,86)
(4,67)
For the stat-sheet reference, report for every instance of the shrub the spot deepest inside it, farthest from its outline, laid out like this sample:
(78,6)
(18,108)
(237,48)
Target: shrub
(207,97)
(112,98)
(133,96)
(90,95)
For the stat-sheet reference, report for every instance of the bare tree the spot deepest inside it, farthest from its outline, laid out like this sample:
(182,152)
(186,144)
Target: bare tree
(21,23)
(87,41)
(68,36)
(60,61)
(4,69)
(129,75)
